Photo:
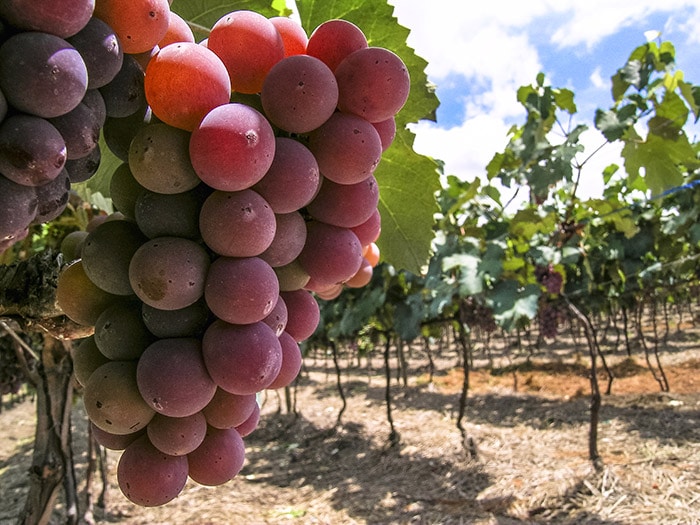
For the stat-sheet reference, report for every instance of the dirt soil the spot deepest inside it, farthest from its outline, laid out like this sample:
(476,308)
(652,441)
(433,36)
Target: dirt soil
(527,420)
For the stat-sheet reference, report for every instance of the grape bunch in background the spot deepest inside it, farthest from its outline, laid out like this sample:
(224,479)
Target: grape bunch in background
(246,192)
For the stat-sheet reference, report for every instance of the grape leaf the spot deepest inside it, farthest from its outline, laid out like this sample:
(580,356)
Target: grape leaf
(407,181)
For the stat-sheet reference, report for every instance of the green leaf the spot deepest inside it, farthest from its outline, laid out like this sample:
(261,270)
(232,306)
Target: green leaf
(691,94)
(470,280)
(407,186)
(408,317)
(512,303)
(661,159)
(614,122)
(99,182)
(564,99)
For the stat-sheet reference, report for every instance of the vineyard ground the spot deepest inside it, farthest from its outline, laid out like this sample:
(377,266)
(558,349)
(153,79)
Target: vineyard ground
(529,422)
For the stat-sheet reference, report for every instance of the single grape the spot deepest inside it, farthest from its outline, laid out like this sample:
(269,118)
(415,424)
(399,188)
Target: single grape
(78,297)
(159,159)
(277,318)
(120,333)
(241,290)
(18,207)
(139,24)
(345,205)
(86,359)
(250,424)
(249,46)
(333,40)
(169,272)
(149,477)
(299,94)
(291,362)
(32,150)
(227,410)
(42,74)
(232,148)
(124,95)
(241,359)
(173,378)
(303,314)
(80,130)
(373,83)
(185,81)
(347,148)
(237,224)
(114,441)
(80,170)
(177,436)
(52,198)
(190,321)
(293,178)
(369,230)
(178,31)
(218,459)
(101,51)
(293,35)
(331,254)
(62,19)
(107,252)
(289,240)
(112,399)
(169,215)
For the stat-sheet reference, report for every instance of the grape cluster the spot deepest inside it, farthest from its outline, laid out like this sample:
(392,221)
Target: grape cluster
(550,278)
(477,315)
(57,60)
(247,190)
(550,315)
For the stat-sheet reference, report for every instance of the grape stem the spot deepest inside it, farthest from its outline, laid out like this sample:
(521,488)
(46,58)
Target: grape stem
(18,339)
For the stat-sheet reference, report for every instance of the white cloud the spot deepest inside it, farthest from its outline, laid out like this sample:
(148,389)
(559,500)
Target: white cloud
(597,80)
(495,45)
(465,149)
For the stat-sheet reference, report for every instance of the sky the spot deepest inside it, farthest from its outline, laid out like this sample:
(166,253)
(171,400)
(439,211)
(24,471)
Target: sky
(480,53)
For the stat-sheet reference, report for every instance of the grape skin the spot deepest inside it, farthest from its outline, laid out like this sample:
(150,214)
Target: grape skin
(42,74)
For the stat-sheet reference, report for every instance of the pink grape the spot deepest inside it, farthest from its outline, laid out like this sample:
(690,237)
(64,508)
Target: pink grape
(288,241)
(291,362)
(169,273)
(373,83)
(369,230)
(333,40)
(347,148)
(218,459)
(299,94)
(277,319)
(241,290)
(237,224)
(331,254)
(242,359)
(250,424)
(304,314)
(177,436)
(293,178)
(173,378)
(227,410)
(233,147)
(148,477)
(345,205)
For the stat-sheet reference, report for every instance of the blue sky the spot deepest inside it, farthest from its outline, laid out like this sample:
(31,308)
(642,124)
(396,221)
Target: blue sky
(480,54)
